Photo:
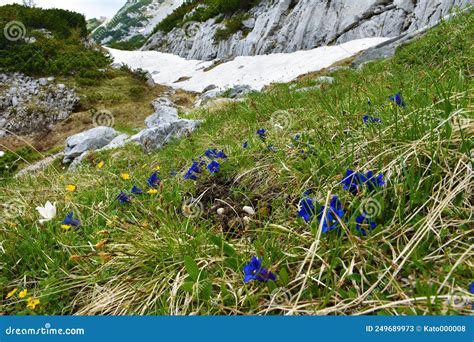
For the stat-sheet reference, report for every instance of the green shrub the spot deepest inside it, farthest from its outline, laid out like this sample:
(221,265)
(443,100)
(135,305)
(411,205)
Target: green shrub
(64,54)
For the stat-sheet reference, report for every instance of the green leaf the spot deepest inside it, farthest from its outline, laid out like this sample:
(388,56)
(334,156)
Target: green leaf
(224,246)
(188,286)
(191,267)
(283,276)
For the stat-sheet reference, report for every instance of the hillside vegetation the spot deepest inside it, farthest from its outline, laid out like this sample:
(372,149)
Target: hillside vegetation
(394,241)
(47,42)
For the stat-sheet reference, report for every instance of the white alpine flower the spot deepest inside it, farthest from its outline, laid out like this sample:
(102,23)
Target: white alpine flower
(48,212)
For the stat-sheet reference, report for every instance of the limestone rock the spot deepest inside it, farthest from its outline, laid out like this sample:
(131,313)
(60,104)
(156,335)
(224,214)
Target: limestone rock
(92,139)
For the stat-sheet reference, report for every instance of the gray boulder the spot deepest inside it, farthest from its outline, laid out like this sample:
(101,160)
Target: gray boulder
(240,90)
(165,112)
(92,139)
(155,138)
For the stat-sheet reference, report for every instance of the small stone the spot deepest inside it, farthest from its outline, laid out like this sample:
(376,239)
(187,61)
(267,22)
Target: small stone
(220,211)
(249,210)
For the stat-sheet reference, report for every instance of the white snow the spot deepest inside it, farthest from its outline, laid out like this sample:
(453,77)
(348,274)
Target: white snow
(255,71)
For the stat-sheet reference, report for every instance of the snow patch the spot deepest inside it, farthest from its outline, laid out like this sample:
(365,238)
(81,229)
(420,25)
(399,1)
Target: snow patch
(255,71)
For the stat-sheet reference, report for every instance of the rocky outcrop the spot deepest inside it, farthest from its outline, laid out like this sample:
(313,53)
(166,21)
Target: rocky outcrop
(90,140)
(290,25)
(29,105)
(136,19)
(163,126)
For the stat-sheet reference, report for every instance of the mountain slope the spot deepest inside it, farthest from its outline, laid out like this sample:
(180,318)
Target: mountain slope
(181,248)
(290,25)
(135,21)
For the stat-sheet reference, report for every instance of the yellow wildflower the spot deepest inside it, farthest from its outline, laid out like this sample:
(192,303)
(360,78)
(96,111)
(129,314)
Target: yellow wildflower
(66,226)
(125,176)
(100,165)
(71,187)
(32,303)
(11,293)
(152,191)
(157,168)
(23,293)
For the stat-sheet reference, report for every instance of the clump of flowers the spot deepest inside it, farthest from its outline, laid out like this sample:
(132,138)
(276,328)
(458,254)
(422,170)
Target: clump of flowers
(255,271)
(353,181)
(195,169)
(214,154)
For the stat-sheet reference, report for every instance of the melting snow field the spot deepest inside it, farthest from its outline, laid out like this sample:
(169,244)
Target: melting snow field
(255,71)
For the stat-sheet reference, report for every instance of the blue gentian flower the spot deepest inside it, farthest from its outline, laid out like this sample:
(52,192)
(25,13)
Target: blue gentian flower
(254,271)
(214,167)
(154,181)
(136,190)
(262,133)
(123,198)
(306,207)
(369,119)
(471,288)
(214,154)
(364,223)
(70,221)
(195,168)
(334,213)
(353,180)
(374,182)
(397,99)
(245,145)
(297,137)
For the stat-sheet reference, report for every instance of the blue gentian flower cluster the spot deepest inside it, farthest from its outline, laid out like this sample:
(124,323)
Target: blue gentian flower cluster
(262,133)
(334,212)
(195,169)
(353,181)
(214,154)
(199,165)
(255,271)
(153,182)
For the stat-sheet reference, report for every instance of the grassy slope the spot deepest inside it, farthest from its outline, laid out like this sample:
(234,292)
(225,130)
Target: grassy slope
(138,258)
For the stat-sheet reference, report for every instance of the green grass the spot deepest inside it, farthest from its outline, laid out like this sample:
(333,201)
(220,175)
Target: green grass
(147,257)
